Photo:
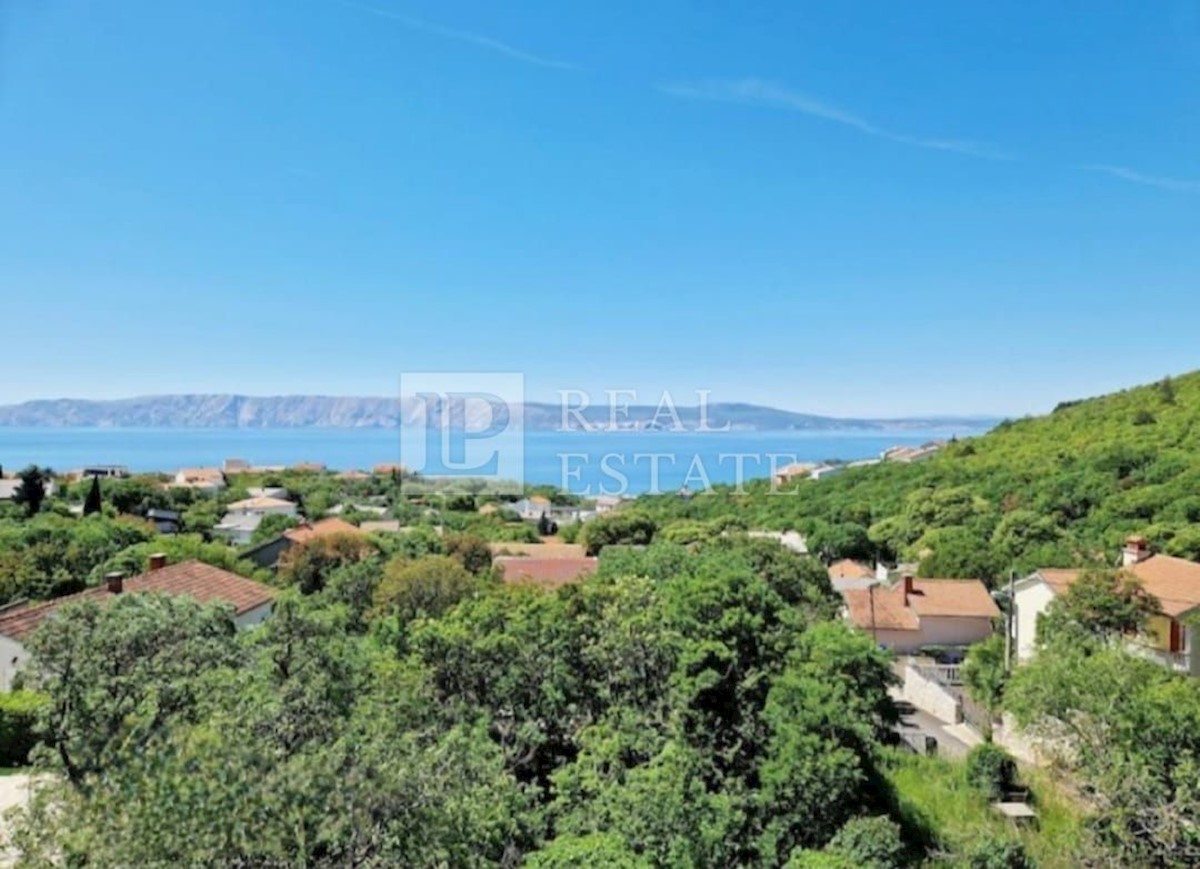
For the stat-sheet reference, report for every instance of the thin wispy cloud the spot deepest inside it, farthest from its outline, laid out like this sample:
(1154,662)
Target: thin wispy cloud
(476,39)
(756,92)
(1179,185)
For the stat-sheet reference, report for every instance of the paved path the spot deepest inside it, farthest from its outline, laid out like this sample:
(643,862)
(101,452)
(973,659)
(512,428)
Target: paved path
(949,744)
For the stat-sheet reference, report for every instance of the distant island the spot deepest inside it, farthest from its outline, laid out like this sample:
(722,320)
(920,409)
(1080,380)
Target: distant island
(318,411)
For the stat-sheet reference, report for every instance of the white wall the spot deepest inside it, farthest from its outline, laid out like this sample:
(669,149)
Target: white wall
(953,630)
(1030,602)
(253,617)
(930,696)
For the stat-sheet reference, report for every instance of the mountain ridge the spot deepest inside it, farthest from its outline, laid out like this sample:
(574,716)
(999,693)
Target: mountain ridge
(232,410)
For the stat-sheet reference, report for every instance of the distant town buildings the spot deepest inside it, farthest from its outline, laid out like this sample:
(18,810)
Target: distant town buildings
(207,480)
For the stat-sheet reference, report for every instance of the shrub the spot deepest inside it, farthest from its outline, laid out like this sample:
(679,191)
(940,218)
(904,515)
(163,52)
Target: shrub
(18,720)
(869,843)
(991,770)
(994,852)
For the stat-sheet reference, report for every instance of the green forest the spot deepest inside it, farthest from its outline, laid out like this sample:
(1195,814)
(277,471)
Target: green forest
(1052,491)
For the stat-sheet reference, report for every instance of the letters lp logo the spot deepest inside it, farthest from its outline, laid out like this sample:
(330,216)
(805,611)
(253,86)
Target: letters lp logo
(464,426)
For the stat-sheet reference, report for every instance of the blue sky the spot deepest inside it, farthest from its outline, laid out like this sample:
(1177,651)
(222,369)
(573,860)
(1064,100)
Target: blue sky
(850,208)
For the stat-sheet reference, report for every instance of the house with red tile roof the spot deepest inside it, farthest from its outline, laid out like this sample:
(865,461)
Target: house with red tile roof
(251,602)
(1170,637)
(916,613)
(548,573)
(268,553)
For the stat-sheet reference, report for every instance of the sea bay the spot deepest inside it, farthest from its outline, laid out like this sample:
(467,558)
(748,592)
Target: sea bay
(584,462)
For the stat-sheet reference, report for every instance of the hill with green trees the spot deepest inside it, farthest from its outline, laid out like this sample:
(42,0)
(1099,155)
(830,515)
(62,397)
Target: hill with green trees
(1056,490)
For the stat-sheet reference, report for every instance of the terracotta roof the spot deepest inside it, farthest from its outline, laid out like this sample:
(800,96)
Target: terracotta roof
(546,572)
(324,528)
(966,598)
(539,499)
(1059,579)
(538,550)
(848,568)
(260,503)
(886,612)
(1174,581)
(896,611)
(202,582)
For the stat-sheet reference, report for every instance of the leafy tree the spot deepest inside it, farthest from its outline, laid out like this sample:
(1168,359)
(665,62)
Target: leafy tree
(32,492)
(985,673)
(308,565)
(623,527)
(94,501)
(271,527)
(1129,732)
(117,674)
(991,770)
(1101,604)
(994,852)
(870,842)
(472,551)
(428,586)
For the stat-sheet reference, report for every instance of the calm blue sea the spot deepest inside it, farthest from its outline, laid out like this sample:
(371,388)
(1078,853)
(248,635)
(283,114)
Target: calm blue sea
(579,461)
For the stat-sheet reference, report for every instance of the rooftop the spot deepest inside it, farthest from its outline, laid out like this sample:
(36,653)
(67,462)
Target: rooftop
(894,609)
(548,573)
(1175,582)
(537,550)
(202,582)
(260,503)
(848,568)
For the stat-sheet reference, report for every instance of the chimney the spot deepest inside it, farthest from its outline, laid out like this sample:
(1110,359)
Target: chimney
(1135,550)
(158,561)
(908,587)
(114,582)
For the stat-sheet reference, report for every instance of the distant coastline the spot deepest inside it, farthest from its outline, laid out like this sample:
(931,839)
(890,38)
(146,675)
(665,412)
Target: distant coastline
(332,412)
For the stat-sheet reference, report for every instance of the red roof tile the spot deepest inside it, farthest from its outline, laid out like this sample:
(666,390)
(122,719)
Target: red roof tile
(194,579)
(1175,582)
(546,572)
(896,611)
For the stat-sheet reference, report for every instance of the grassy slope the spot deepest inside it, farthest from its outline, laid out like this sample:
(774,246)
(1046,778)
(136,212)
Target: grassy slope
(935,802)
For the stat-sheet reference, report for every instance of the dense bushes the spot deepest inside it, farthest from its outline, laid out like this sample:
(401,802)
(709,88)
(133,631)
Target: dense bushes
(991,770)
(18,724)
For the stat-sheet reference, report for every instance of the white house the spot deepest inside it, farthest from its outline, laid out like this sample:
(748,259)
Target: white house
(251,602)
(262,506)
(1170,637)
(531,509)
(239,528)
(822,471)
(792,540)
(916,613)
(208,480)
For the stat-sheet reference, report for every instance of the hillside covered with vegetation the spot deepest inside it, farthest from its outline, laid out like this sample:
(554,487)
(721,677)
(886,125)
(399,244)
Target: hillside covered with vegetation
(1057,490)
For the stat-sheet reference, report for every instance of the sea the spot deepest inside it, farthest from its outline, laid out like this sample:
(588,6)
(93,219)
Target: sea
(586,463)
